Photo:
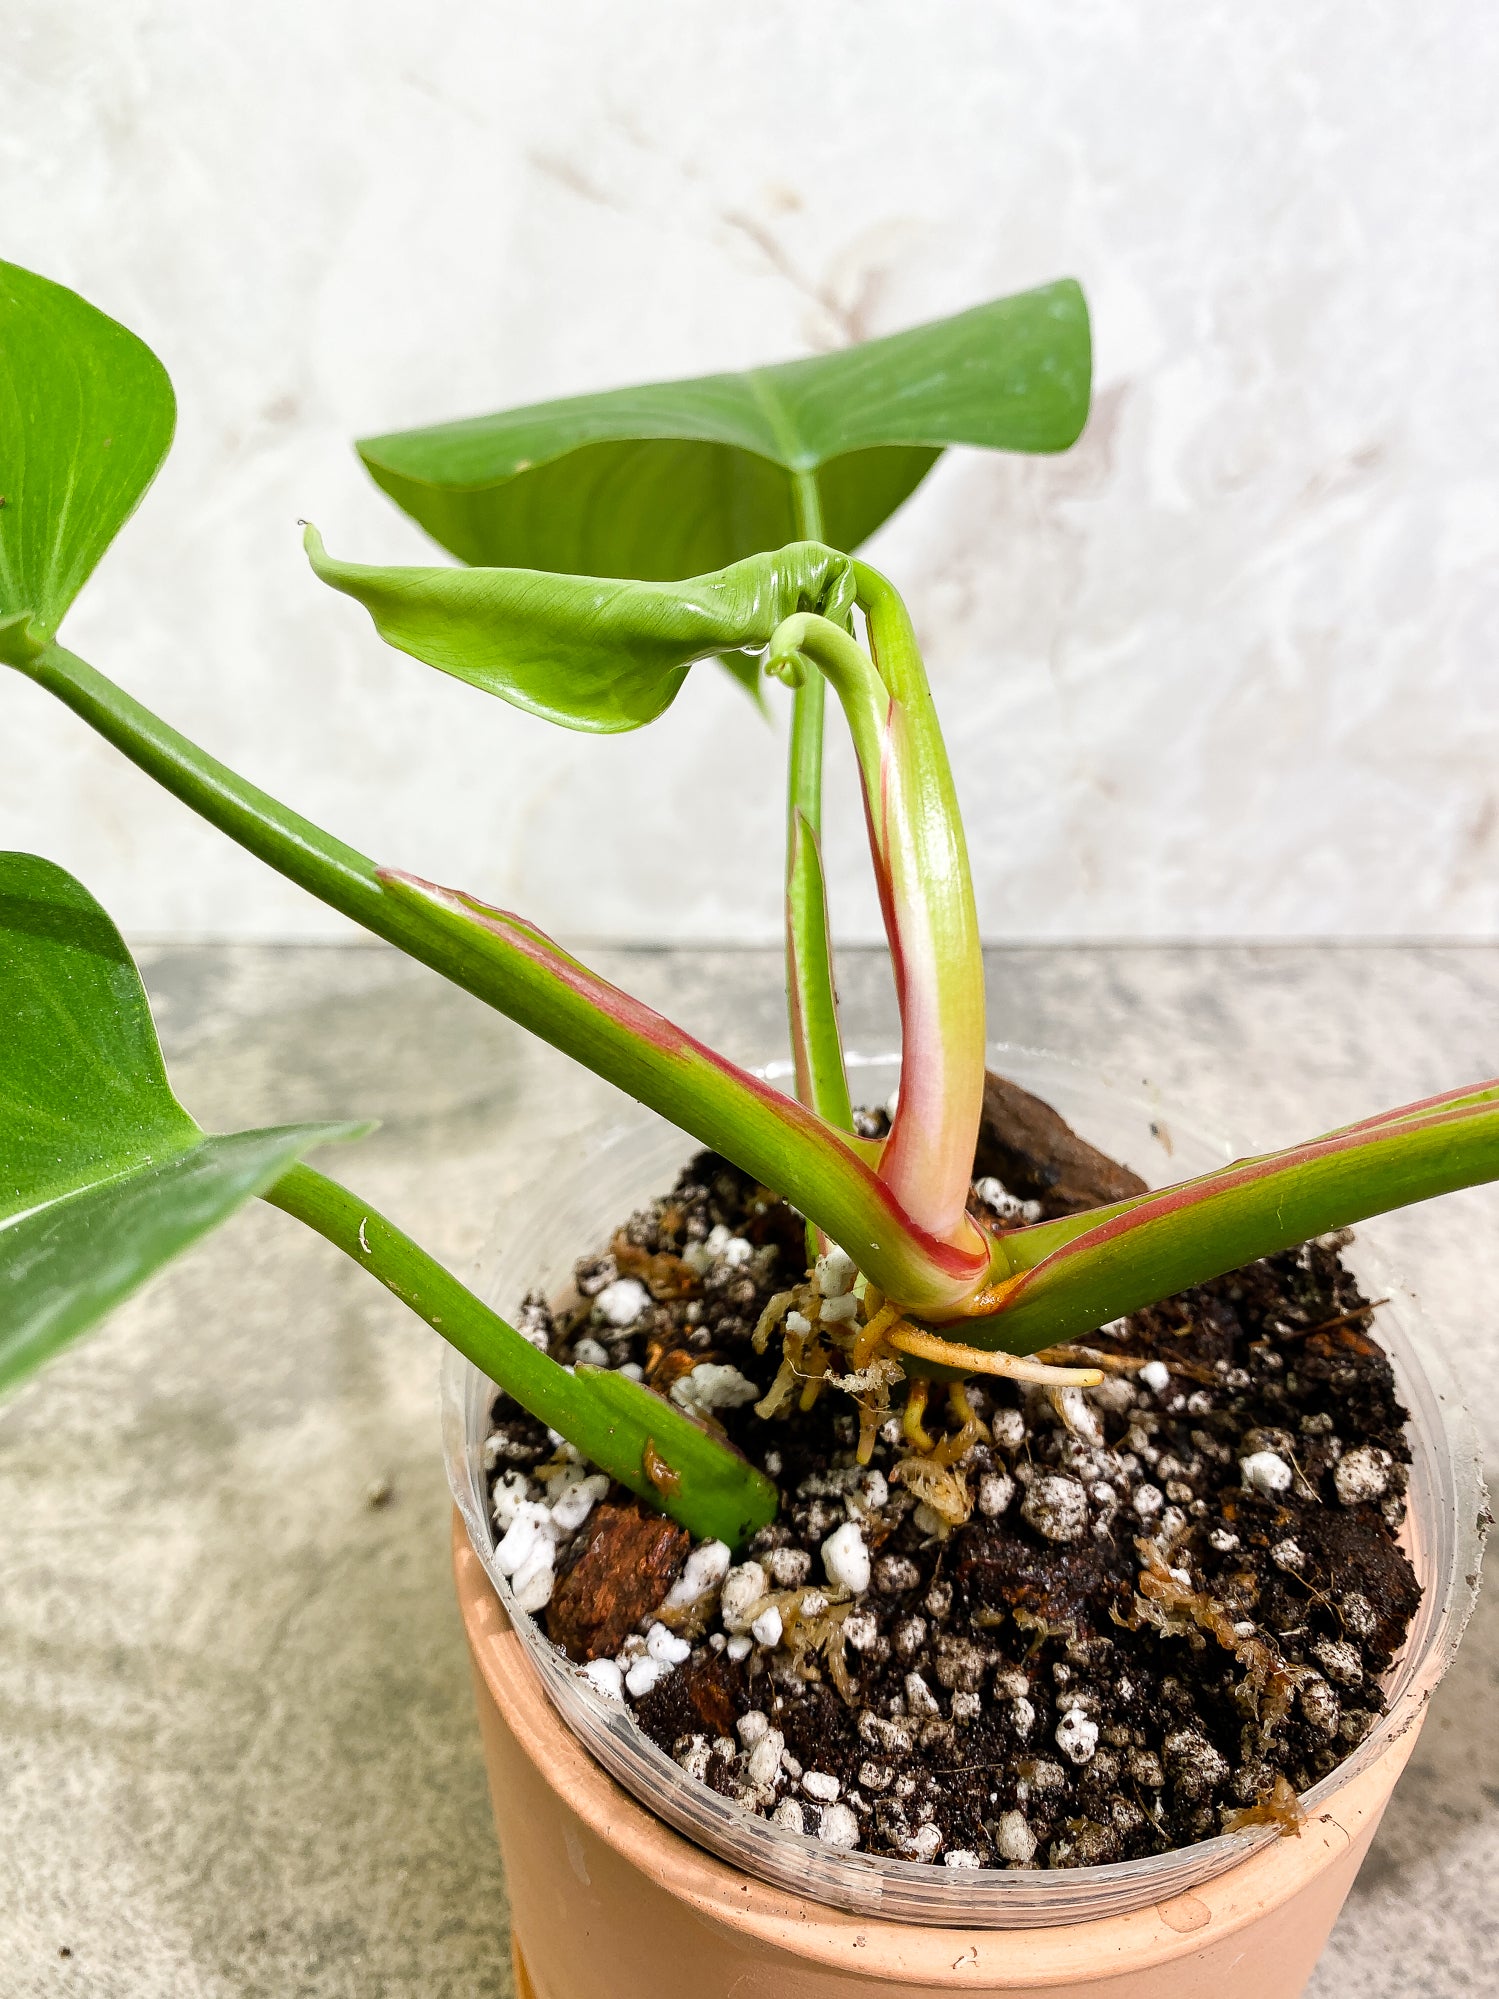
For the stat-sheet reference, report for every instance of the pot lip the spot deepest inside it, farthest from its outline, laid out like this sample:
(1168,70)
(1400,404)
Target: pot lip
(1448,1549)
(947,1957)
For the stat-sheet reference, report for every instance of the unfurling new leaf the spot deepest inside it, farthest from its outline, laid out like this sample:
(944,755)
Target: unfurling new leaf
(587,651)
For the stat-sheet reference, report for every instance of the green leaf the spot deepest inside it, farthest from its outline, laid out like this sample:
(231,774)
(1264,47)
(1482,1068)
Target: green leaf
(103,1176)
(587,651)
(1071,1275)
(678,478)
(86,417)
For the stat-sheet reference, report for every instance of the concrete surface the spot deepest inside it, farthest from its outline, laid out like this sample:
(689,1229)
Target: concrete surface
(237,1757)
(1245,632)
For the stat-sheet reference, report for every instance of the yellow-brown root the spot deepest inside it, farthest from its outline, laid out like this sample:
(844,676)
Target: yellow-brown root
(955,1447)
(911,1423)
(980,1360)
(870,1334)
(817,1367)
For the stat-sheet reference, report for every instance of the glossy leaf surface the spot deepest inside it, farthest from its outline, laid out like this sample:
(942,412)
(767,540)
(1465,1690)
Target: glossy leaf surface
(86,417)
(677,478)
(103,1176)
(586,651)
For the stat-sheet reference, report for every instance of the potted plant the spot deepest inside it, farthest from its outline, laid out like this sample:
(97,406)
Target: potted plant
(921,1507)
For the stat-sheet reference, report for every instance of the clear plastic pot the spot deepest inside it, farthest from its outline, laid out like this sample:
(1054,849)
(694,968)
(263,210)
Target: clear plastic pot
(611,1172)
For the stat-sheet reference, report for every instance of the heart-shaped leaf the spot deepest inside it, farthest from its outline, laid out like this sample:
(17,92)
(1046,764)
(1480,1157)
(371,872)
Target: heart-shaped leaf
(103,1176)
(589,652)
(86,417)
(678,478)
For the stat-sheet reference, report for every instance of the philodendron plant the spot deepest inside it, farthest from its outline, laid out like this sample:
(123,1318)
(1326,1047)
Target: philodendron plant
(609,543)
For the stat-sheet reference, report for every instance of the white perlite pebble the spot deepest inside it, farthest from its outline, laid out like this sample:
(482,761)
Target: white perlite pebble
(590,1353)
(860,1630)
(1056,1507)
(996,1490)
(666,1646)
(694,1759)
(997,1197)
(1339,1660)
(534,1581)
(1359,1615)
(1015,1840)
(740,1646)
(818,1784)
(645,1674)
(1007,1426)
(752,1727)
(1265,1471)
(1076,1736)
(1362,1475)
(1156,1376)
(919,1697)
(1320,1705)
(1023,1715)
(845,1557)
(789,1567)
(606,1677)
(788,1813)
(579,1500)
(840,1311)
(925,1843)
(836,1272)
(1079,1416)
(839,1828)
(767,1627)
(738,1251)
(798,1323)
(510,1494)
(704,1569)
(742,1590)
(763,1764)
(713,1385)
(622,1302)
(961,1857)
(531,1522)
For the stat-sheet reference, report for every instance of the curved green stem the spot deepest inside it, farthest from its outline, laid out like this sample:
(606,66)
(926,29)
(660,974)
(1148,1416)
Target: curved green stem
(505,963)
(718,1494)
(926,896)
(811,996)
(1067,1276)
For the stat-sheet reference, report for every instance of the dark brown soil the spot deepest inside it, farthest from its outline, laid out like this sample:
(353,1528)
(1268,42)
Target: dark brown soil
(1171,1603)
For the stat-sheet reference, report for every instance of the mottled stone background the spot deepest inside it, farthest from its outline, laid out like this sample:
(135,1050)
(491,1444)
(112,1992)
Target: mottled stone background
(1227,670)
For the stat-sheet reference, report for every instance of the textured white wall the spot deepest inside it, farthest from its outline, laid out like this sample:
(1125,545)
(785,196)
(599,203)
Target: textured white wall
(1230,668)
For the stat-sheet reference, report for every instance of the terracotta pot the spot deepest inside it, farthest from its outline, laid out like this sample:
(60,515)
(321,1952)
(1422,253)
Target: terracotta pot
(607,1902)
(631,1881)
